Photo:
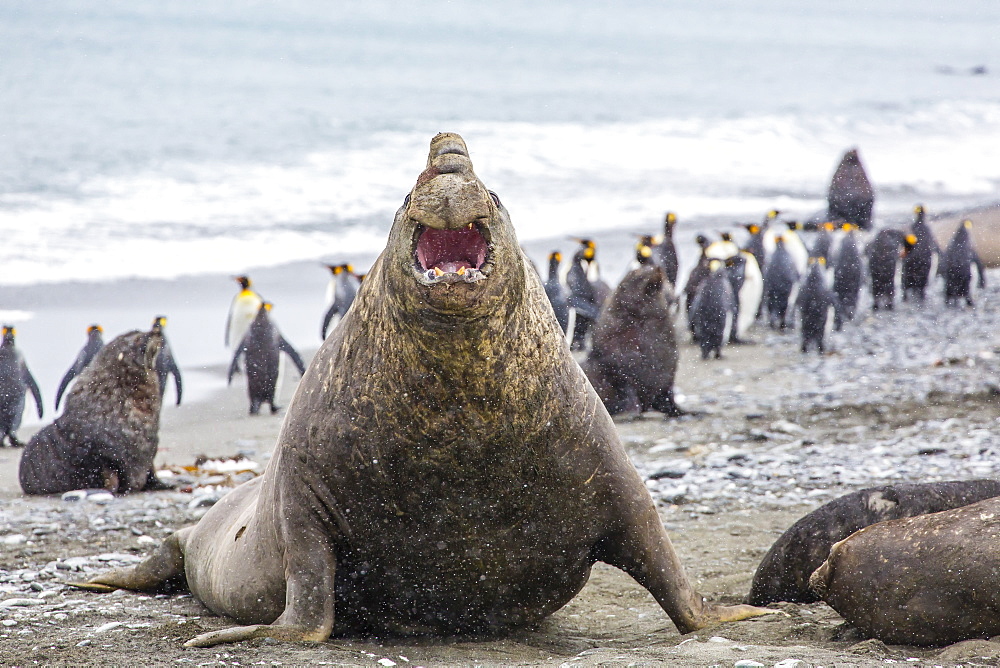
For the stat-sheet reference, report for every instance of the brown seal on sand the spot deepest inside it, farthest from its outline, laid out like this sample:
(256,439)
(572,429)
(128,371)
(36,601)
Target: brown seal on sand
(444,466)
(928,580)
(633,356)
(108,433)
(783,574)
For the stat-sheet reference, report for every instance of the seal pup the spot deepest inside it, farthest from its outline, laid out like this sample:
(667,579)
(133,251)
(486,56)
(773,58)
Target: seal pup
(712,314)
(242,311)
(956,267)
(814,303)
(848,275)
(780,280)
(851,197)
(783,574)
(555,291)
(884,253)
(340,294)
(108,433)
(926,580)
(95,341)
(15,382)
(665,252)
(633,355)
(165,362)
(444,467)
(918,263)
(262,347)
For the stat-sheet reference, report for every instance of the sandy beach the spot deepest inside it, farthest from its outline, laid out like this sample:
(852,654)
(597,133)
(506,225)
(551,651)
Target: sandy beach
(905,396)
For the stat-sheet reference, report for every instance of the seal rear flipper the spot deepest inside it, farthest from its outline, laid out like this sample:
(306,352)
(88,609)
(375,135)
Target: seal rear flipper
(157,571)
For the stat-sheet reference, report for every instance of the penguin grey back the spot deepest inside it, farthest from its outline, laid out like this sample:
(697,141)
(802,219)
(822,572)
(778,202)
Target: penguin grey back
(814,302)
(15,382)
(956,266)
(780,278)
(713,311)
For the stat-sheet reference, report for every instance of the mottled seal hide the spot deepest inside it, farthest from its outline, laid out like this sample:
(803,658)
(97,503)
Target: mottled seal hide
(783,574)
(928,580)
(444,466)
(108,433)
(633,356)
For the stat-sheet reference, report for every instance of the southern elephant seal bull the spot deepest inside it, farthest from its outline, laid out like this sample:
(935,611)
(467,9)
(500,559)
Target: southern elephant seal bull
(444,466)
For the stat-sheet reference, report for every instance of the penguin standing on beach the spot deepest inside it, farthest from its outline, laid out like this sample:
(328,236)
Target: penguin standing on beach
(780,279)
(665,252)
(823,243)
(956,266)
(340,294)
(848,275)
(748,289)
(851,197)
(95,341)
(918,264)
(814,303)
(15,381)
(587,291)
(712,314)
(698,274)
(242,311)
(556,293)
(262,347)
(165,363)
(884,254)
(755,243)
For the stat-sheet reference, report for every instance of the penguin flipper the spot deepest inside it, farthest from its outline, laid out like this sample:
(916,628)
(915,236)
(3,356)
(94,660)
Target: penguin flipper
(981,269)
(234,364)
(585,308)
(35,392)
(64,383)
(285,347)
(327,317)
(178,385)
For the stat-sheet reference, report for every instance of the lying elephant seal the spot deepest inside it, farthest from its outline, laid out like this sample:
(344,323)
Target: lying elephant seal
(928,580)
(444,466)
(108,433)
(783,574)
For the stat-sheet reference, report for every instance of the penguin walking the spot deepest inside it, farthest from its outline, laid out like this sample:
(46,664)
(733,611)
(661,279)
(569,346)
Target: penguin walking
(665,252)
(851,197)
(340,293)
(918,264)
(884,253)
(956,266)
(848,276)
(780,279)
(698,274)
(747,283)
(586,291)
(711,315)
(262,347)
(242,311)
(165,363)
(556,293)
(95,341)
(15,381)
(814,303)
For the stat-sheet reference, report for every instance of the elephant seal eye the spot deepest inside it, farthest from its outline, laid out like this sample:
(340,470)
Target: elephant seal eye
(496,200)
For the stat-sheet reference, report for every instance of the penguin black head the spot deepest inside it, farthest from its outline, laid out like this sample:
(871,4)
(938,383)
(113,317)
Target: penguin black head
(643,252)
(244,281)
(95,328)
(335,269)
(555,256)
(348,267)
(793,224)
(726,236)
(702,241)
(159,322)
(9,333)
(918,212)
(588,247)
(967,224)
(670,220)
(752,228)
(772,214)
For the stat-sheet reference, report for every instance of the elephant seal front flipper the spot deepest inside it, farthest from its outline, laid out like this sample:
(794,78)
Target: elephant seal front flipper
(444,467)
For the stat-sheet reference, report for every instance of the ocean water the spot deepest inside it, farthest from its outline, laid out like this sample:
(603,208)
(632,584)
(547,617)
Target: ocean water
(159,140)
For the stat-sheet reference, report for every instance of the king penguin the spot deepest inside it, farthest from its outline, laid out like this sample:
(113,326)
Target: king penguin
(340,293)
(780,279)
(919,262)
(262,347)
(698,274)
(95,341)
(242,311)
(587,292)
(814,303)
(848,275)
(165,363)
(665,252)
(956,266)
(884,253)
(712,313)
(748,288)
(556,293)
(15,381)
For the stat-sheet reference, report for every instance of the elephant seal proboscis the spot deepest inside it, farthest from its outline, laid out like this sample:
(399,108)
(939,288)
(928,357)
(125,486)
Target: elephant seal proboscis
(783,574)
(444,466)
(108,433)
(927,580)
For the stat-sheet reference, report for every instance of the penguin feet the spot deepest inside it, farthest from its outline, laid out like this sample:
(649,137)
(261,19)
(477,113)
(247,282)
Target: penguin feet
(14,442)
(275,409)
